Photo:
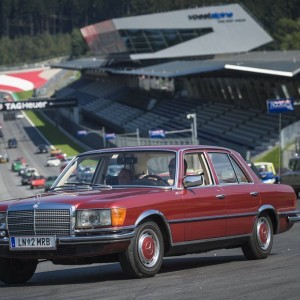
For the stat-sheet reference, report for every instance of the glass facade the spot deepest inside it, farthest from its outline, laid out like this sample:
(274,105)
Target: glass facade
(153,40)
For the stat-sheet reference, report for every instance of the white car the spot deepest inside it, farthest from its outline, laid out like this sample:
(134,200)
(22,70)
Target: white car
(29,170)
(53,162)
(65,162)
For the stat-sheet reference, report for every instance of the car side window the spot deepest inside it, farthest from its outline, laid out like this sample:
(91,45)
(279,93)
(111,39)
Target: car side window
(223,168)
(242,178)
(197,165)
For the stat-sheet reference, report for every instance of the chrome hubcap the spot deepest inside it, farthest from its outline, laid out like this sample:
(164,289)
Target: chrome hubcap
(263,233)
(148,248)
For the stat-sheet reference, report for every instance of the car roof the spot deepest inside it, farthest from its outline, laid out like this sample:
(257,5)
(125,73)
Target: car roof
(162,148)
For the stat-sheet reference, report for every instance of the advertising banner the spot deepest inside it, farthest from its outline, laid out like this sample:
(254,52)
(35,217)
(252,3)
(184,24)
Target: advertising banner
(158,133)
(37,104)
(280,105)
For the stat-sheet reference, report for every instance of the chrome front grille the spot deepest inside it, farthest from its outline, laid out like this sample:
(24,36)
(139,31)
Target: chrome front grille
(39,222)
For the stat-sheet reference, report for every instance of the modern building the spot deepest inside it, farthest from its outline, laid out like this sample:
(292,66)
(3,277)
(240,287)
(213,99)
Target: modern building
(152,71)
(197,32)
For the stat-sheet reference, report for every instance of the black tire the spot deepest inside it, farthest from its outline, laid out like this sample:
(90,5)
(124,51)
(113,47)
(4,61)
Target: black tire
(144,256)
(14,271)
(260,243)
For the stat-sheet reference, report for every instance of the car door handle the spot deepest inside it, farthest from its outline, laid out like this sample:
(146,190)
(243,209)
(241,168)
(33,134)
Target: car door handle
(221,196)
(254,194)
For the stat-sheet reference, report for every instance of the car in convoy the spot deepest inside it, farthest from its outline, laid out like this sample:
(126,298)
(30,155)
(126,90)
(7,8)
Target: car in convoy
(37,181)
(220,203)
(48,182)
(12,143)
(26,178)
(65,162)
(18,164)
(4,158)
(267,172)
(292,176)
(53,162)
(28,170)
(42,148)
(55,151)
(61,156)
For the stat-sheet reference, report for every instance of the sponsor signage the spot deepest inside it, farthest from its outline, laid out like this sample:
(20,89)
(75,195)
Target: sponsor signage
(81,132)
(158,133)
(280,105)
(110,136)
(216,16)
(37,104)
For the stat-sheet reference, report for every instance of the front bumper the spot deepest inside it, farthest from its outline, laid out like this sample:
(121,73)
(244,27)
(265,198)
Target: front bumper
(73,247)
(103,238)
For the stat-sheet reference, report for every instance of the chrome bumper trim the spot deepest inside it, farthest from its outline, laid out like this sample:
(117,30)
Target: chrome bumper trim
(69,240)
(293,216)
(4,241)
(294,219)
(112,238)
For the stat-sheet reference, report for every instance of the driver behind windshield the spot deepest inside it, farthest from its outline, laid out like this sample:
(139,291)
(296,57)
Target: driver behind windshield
(172,170)
(125,176)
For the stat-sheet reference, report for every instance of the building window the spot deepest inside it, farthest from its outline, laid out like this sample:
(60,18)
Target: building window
(153,40)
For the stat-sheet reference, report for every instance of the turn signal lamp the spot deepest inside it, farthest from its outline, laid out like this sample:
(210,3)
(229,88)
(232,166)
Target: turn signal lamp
(118,215)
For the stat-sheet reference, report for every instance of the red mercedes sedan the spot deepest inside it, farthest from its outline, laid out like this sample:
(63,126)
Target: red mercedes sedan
(164,200)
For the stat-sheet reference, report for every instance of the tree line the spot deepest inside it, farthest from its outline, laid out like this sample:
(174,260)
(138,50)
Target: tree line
(32,30)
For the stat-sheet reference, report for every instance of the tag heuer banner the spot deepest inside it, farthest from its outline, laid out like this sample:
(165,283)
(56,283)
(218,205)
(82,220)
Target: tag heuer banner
(37,104)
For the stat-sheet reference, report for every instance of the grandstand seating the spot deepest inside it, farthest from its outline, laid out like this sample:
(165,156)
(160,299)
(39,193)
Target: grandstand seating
(125,109)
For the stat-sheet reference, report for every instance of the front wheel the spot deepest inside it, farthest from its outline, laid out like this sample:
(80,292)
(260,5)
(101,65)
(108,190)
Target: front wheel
(260,243)
(14,271)
(144,256)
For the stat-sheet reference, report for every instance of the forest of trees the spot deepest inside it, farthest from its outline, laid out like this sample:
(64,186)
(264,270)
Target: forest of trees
(33,30)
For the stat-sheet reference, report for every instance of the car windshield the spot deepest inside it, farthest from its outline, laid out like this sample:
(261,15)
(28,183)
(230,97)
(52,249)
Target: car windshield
(294,164)
(117,169)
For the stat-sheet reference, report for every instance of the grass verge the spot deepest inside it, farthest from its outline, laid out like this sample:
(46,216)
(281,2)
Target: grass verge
(53,134)
(272,156)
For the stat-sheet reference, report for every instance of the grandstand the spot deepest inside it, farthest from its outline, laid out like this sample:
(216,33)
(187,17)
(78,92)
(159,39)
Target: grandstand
(129,89)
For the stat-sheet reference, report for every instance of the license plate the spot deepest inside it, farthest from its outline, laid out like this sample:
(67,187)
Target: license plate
(32,242)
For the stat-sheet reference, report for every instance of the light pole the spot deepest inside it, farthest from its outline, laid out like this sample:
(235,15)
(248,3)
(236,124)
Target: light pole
(194,126)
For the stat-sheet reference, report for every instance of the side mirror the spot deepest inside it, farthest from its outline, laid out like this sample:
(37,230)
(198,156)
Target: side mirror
(193,180)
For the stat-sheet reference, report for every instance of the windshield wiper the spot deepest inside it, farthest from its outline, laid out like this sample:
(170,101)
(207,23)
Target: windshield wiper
(100,185)
(80,186)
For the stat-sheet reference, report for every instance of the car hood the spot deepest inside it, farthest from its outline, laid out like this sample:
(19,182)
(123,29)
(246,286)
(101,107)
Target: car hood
(79,199)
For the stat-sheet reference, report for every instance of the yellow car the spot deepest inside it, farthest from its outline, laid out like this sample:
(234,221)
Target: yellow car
(267,172)
(4,158)
(55,151)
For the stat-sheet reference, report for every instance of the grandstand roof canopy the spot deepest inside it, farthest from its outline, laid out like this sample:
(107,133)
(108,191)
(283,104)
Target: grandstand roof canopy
(82,64)
(278,63)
